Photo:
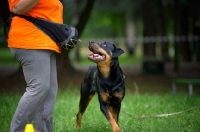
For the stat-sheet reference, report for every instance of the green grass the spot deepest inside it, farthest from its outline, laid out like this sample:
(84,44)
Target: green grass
(6,58)
(135,105)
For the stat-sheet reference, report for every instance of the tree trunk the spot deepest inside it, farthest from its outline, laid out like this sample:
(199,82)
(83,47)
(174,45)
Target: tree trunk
(185,45)
(182,47)
(84,16)
(75,22)
(149,29)
(80,21)
(177,44)
(195,14)
(63,63)
(161,26)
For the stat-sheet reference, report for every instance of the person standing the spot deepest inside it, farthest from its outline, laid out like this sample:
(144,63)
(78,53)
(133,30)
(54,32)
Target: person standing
(36,53)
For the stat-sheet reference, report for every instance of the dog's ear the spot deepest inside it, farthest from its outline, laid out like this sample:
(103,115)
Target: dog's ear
(117,52)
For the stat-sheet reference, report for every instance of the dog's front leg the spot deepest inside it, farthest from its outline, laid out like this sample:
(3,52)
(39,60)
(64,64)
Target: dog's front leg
(109,117)
(87,92)
(104,99)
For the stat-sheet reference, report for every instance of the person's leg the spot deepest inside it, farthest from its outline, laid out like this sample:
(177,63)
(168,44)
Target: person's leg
(44,116)
(36,68)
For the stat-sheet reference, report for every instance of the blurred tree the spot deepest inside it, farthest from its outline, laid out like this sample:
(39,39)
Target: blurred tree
(80,19)
(162,21)
(121,16)
(181,20)
(195,13)
(128,13)
(75,20)
(154,24)
(130,35)
(183,12)
(149,12)
(152,15)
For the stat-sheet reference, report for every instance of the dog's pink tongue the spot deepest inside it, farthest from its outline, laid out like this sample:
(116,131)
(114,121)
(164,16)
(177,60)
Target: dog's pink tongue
(95,55)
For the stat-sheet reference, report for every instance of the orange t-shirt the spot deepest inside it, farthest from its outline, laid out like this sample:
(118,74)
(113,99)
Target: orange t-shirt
(23,34)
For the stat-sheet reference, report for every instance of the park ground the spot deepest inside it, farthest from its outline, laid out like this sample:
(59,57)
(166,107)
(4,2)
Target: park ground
(135,80)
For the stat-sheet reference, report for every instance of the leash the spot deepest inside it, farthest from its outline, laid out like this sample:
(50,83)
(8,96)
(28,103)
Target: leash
(160,115)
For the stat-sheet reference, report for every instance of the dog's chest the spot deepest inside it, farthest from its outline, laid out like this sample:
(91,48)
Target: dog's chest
(107,84)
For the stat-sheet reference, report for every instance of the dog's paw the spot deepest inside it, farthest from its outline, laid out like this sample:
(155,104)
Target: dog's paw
(117,129)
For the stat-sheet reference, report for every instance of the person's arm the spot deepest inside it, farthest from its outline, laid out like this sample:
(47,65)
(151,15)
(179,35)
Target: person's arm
(24,6)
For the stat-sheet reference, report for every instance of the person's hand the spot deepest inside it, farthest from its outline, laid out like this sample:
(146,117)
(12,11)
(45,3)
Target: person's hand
(24,6)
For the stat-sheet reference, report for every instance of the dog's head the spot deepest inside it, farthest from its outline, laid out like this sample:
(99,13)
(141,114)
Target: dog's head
(104,54)
(103,51)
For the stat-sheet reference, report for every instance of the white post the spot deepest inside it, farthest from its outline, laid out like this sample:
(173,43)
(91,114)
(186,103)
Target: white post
(174,88)
(190,89)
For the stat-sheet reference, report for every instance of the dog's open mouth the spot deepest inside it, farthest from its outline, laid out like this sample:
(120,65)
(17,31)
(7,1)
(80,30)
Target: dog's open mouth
(96,56)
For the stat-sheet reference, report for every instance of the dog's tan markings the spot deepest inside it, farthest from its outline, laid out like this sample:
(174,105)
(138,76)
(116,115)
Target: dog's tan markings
(105,96)
(78,120)
(104,66)
(113,112)
(113,123)
(104,70)
(90,98)
(119,95)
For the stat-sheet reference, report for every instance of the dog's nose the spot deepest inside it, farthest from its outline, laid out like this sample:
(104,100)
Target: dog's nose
(91,42)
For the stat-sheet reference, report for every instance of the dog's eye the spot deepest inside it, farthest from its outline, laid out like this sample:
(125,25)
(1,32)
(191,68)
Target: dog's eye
(104,44)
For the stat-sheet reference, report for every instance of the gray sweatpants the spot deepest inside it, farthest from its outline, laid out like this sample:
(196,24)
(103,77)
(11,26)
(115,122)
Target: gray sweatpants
(37,104)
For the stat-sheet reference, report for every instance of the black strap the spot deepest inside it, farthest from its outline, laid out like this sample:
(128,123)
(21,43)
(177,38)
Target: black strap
(62,34)
(37,22)
(6,24)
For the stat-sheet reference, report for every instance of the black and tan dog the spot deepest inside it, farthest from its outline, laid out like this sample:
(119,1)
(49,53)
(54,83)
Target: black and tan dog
(105,78)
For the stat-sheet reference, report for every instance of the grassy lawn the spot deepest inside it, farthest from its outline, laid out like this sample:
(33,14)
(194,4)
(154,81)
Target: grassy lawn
(135,105)
(6,58)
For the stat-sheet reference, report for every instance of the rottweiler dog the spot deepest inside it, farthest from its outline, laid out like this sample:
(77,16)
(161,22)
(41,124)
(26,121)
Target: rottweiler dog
(106,79)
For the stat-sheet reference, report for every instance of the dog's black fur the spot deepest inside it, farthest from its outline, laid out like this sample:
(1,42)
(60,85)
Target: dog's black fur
(107,79)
